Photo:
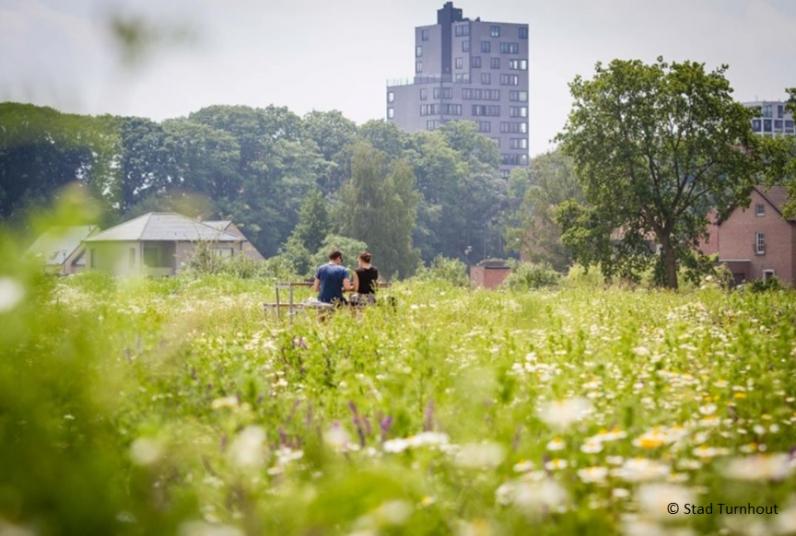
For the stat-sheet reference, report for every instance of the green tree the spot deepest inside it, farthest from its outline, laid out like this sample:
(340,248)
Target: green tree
(656,146)
(534,233)
(379,208)
(333,133)
(314,222)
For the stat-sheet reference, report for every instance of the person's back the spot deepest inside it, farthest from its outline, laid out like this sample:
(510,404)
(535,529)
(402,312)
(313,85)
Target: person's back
(331,279)
(368,280)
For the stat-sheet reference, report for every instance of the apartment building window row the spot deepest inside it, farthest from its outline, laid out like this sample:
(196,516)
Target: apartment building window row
(518,65)
(518,111)
(442,108)
(512,127)
(509,80)
(484,126)
(462,30)
(469,93)
(509,48)
(518,143)
(490,110)
(518,96)
(443,93)
(513,159)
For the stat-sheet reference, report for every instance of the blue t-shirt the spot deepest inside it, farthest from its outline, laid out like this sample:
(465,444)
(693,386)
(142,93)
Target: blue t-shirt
(331,277)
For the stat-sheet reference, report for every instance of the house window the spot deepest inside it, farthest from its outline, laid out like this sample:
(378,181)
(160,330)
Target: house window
(418,66)
(131,258)
(760,209)
(224,252)
(486,78)
(466,45)
(461,30)
(766,125)
(484,126)
(756,125)
(522,32)
(390,96)
(423,93)
(486,47)
(459,63)
(769,274)
(418,51)
(424,35)
(390,113)
(494,31)
(760,243)
(494,63)
(475,62)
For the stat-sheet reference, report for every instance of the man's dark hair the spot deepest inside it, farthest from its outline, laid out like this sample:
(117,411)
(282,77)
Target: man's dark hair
(365,256)
(334,255)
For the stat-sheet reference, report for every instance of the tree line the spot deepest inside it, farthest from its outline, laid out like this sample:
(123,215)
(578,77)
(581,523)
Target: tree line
(409,197)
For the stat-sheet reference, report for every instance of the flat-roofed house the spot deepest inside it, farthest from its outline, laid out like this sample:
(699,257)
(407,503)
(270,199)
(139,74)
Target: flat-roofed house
(158,244)
(61,248)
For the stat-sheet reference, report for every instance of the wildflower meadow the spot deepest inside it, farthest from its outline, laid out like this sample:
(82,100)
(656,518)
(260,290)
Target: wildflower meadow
(181,406)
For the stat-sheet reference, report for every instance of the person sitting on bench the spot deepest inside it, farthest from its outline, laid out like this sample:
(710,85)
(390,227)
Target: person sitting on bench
(332,279)
(366,278)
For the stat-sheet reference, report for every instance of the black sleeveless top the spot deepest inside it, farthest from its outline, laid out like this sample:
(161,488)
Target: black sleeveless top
(367,279)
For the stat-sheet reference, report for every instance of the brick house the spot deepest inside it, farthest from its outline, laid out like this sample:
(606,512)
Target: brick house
(757,242)
(489,273)
(161,244)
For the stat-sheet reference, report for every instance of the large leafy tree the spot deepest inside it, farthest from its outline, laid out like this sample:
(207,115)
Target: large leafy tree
(41,150)
(534,233)
(379,207)
(656,147)
(277,167)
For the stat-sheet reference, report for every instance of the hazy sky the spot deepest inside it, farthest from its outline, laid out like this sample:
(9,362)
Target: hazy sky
(314,54)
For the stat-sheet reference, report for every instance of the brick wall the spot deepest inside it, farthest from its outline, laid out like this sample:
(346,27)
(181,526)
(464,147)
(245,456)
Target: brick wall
(488,277)
(736,240)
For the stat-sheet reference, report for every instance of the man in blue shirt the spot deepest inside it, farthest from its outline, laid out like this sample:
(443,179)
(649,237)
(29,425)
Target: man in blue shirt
(331,279)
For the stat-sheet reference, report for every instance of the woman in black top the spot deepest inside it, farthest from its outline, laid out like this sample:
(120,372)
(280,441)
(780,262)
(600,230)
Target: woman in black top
(366,277)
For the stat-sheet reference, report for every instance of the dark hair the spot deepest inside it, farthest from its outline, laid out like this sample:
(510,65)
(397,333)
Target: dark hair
(335,255)
(365,256)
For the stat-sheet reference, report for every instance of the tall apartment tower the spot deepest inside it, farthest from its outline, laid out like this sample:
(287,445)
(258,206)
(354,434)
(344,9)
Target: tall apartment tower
(774,118)
(468,70)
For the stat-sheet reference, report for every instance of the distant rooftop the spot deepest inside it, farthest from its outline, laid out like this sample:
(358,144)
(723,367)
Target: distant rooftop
(58,243)
(163,226)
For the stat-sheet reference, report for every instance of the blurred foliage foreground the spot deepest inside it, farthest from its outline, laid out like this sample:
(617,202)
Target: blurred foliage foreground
(176,406)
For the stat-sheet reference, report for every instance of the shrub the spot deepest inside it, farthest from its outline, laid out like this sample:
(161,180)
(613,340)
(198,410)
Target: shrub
(580,275)
(527,276)
(765,285)
(442,268)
